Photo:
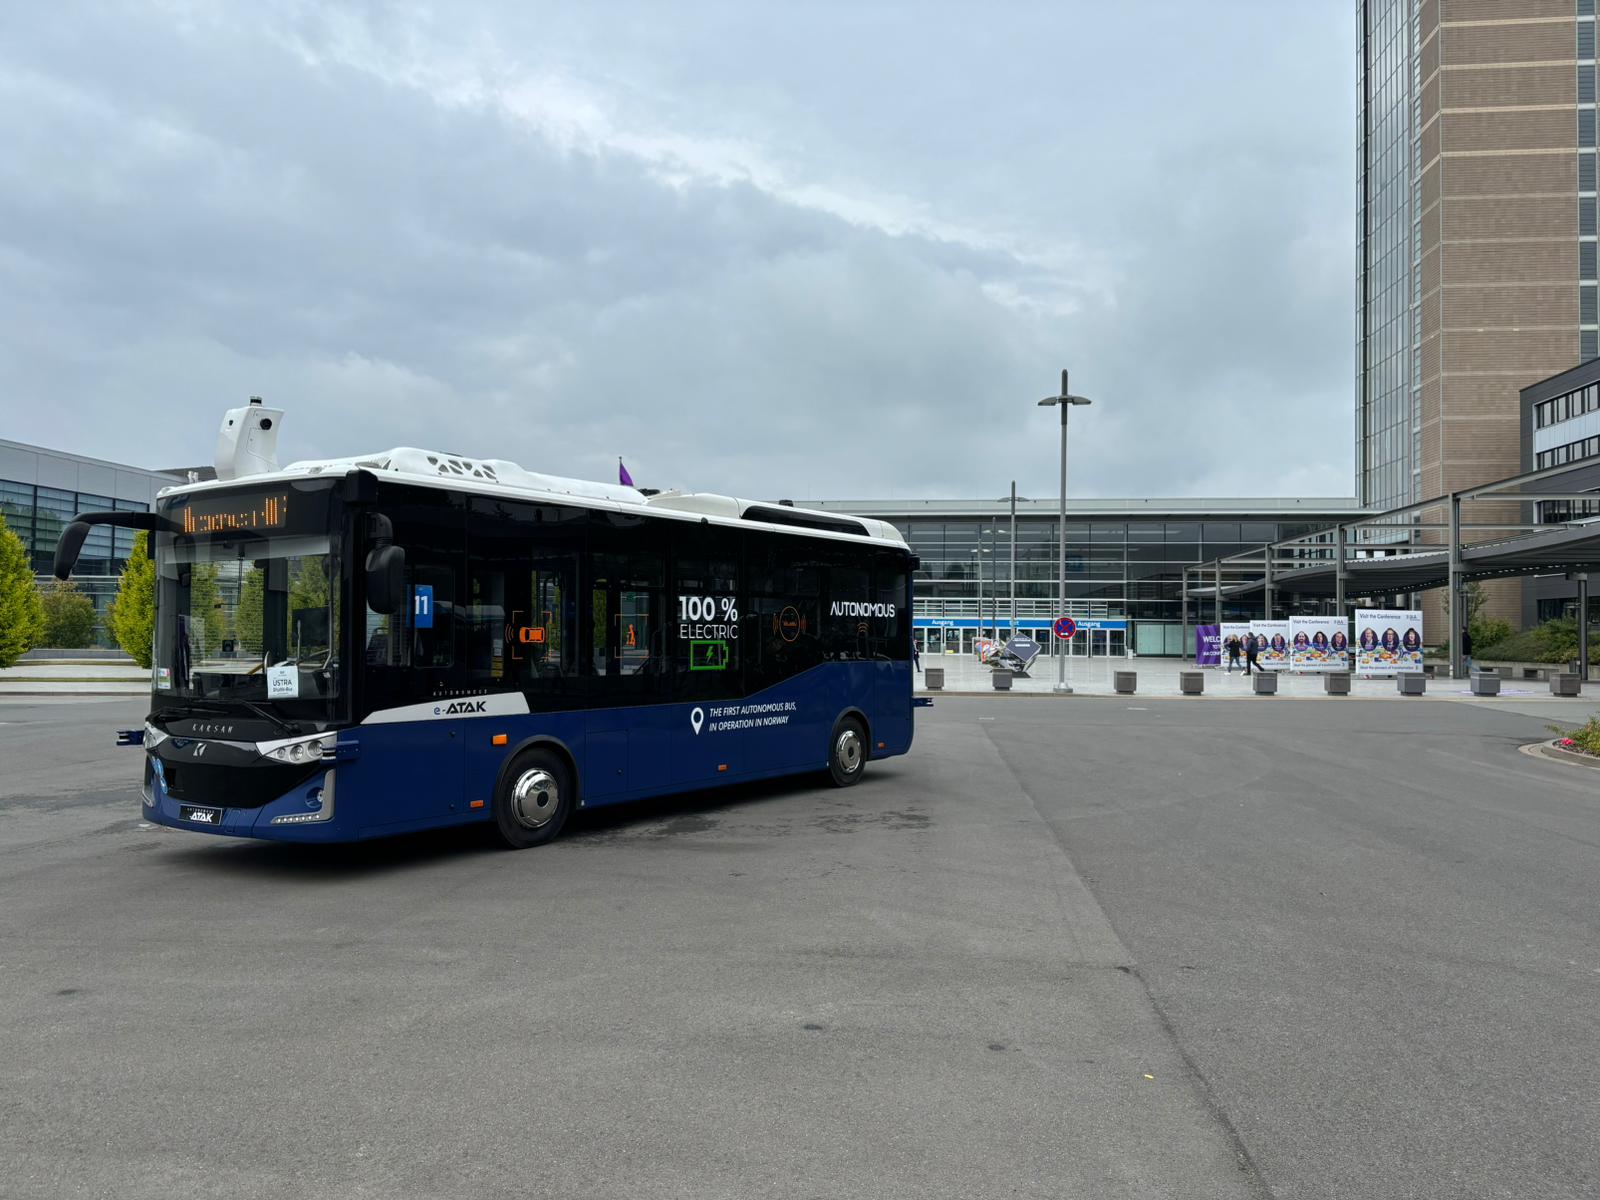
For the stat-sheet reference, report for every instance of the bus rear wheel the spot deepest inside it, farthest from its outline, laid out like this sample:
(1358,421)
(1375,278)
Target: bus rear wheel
(847,752)
(533,800)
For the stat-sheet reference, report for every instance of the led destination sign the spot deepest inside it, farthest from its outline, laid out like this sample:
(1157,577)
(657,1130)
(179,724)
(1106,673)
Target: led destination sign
(230,513)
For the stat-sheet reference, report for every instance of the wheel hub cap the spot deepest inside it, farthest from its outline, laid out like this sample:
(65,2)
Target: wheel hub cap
(535,798)
(848,750)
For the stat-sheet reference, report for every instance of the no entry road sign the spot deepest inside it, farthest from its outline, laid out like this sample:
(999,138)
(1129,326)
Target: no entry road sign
(1065,627)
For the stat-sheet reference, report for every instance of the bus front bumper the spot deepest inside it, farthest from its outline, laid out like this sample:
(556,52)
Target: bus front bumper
(306,813)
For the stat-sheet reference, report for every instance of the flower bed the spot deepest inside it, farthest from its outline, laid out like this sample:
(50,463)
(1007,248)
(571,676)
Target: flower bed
(1583,740)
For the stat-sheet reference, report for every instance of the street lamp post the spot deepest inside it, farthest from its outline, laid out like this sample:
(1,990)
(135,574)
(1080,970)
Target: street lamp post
(978,571)
(1065,401)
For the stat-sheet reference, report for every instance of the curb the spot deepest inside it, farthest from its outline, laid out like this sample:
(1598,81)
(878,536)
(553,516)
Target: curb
(1554,753)
(57,691)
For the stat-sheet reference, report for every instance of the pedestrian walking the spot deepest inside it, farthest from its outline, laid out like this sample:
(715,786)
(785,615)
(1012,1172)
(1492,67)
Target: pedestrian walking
(916,655)
(1252,649)
(1232,646)
(1466,650)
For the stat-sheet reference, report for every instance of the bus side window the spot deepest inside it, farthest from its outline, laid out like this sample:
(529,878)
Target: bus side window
(891,634)
(626,586)
(434,615)
(522,569)
(704,613)
(782,631)
(847,625)
(412,655)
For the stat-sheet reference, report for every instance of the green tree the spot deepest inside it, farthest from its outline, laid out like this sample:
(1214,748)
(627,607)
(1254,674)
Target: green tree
(133,612)
(69,616)
(205,605)
(309,588)
(248,617)
(21,611)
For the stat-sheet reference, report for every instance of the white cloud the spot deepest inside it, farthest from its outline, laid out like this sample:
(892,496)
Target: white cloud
(561,237)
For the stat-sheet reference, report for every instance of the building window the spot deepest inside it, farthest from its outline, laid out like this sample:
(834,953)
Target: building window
(1585,85)
(1588,344)
(1586,123)
(1586,40)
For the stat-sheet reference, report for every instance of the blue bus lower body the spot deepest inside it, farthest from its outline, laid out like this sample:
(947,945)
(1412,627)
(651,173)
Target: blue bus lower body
(395,777)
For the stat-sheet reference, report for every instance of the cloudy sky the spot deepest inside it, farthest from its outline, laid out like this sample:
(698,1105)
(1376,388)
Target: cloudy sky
(806,250)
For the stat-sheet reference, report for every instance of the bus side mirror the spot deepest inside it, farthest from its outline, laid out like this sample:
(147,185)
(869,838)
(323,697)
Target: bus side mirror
(69,547)
(386,579)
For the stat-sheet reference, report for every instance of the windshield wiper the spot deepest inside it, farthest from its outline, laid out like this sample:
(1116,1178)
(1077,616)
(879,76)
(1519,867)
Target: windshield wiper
(187,709)
(287,726)
(221,708)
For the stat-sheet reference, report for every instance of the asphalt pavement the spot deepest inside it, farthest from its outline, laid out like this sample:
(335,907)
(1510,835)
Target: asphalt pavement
(1065,948)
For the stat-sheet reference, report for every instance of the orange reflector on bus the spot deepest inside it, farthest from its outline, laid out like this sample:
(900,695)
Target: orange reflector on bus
(477,804)
(722,766)
(880,745)
(498,739)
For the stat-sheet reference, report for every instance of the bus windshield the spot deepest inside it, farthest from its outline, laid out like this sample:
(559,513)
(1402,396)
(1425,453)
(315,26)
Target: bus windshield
(241,616)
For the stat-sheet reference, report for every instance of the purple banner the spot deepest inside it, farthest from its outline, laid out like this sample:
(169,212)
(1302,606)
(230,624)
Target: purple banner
(1207,645)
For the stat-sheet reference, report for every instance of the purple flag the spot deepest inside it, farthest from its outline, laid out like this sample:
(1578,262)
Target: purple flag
(623,477)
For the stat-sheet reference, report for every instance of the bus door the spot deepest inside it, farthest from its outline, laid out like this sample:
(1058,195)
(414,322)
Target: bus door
(411,678)
(627,743)
(521,623)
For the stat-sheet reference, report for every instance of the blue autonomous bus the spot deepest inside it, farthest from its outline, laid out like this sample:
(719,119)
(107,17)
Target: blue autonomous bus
(408,640)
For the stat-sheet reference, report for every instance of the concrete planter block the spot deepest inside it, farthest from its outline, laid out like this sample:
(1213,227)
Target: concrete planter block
(1336,684)
(1002,681)
(934,677)
(1564,684)
(1410,684)
(1124,683)
(1191,683)
(1485,683)
(1264,683)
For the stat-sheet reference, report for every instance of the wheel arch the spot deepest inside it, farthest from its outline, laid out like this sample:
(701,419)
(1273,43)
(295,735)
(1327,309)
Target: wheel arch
(543,741)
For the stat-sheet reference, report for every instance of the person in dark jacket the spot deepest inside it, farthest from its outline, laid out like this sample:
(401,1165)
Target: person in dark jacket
(1252,652)
(1466,651)
(1232,646)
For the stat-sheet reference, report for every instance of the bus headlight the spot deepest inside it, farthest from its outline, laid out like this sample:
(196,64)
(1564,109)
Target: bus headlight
(303,750)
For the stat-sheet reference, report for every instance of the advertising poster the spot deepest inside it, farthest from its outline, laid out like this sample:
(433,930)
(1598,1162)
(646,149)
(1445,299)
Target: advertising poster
(1318,644)
(1388,642)
(1207,645)
(1272,644)
(1238,629)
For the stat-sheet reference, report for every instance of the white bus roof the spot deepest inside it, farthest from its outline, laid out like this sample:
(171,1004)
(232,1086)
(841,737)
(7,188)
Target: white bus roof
(496,476)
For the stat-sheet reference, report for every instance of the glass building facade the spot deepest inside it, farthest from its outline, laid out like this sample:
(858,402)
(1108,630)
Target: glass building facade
(1125,561)
(42,490)
(1388,284)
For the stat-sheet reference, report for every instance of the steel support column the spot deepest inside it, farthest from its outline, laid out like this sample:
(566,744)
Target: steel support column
(1266,602)
(1216,611)
(1457,608)
(1013,558)
(1338,572)
(1183,607)
(1583,626)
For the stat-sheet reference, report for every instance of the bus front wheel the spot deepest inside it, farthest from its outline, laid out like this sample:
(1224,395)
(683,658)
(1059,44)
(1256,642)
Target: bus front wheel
(847,752)
(535,795)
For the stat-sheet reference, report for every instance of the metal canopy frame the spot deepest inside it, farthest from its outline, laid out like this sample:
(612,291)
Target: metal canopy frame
(1414,565)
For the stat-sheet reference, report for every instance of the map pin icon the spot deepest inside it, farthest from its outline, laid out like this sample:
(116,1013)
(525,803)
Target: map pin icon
(697,718)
